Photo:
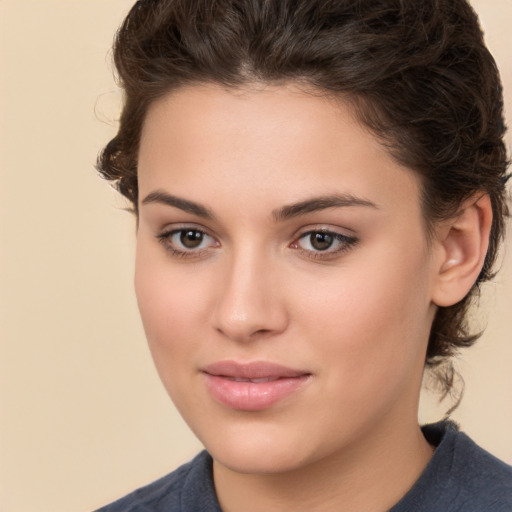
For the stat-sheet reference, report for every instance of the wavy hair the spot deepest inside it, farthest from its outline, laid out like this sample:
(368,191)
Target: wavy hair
(418,74)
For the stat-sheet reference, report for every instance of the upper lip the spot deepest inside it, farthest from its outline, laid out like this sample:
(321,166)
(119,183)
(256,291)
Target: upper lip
(252,370)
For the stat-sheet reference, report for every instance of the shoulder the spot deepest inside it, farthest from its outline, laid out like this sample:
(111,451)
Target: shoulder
(482,480)
(461,476)
(177,491)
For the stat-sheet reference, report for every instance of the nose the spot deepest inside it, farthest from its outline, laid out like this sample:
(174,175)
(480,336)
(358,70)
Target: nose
(250,302)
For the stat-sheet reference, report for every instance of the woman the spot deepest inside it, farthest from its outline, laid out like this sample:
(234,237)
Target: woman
(319,189)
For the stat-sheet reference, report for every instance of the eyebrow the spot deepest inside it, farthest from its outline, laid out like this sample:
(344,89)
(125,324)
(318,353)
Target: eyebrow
(286,212)
(183,204)
(320,203)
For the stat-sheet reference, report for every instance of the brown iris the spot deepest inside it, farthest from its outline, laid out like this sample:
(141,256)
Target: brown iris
(321,241)
(191,239)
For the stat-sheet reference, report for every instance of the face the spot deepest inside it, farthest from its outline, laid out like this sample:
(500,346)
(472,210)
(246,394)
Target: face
(282,273)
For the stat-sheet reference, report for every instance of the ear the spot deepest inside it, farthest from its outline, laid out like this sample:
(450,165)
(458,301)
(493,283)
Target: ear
(461,246)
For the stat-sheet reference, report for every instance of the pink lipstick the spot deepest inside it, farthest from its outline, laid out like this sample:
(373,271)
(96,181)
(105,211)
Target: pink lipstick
(252,386)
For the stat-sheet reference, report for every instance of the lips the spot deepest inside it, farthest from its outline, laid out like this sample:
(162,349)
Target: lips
(253,386)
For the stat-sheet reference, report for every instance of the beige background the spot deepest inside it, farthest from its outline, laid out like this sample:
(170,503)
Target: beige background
(83,417)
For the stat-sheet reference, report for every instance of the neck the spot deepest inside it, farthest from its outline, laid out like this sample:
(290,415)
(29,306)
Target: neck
(373,474)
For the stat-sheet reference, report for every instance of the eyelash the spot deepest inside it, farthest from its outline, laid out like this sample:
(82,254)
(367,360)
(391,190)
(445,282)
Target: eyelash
(165,238)
(344,243)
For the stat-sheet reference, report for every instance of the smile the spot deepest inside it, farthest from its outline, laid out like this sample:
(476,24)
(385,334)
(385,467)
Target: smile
(241,379)
(252,387)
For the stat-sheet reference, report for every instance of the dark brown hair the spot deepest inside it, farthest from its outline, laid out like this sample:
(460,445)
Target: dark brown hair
(417,72)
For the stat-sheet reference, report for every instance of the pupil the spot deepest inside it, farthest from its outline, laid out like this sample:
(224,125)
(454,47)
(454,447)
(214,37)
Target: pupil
(191,239)
(321,241)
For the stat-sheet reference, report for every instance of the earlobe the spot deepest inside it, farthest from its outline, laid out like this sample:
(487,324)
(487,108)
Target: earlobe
(462,243)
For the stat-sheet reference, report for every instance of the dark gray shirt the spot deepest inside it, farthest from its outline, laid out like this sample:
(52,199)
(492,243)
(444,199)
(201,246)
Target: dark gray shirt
(460,477)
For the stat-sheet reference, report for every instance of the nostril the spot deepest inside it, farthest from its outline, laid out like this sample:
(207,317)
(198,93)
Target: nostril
(247,308)
(261,332)
(244,332)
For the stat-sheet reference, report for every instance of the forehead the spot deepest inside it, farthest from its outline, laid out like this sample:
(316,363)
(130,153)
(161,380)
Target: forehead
(268,145)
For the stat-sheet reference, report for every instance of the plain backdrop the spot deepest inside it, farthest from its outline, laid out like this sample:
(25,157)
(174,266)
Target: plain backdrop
(83,416)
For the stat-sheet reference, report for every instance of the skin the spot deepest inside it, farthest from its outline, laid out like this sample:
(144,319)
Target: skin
(356,316)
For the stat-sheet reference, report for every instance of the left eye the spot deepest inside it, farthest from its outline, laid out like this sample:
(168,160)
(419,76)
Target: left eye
(186,240)
(189,238)
(324,241)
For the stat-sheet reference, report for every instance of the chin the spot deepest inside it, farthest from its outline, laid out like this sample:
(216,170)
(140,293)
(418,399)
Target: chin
(258,460)
(261,451)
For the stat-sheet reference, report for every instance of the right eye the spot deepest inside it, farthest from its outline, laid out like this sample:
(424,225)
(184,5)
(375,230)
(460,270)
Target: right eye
(186,242)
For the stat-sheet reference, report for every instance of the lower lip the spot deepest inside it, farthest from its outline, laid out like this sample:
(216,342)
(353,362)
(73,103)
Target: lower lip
(252,396)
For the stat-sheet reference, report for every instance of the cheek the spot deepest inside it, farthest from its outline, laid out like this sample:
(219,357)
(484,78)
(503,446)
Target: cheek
(172,308)
(373,323)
